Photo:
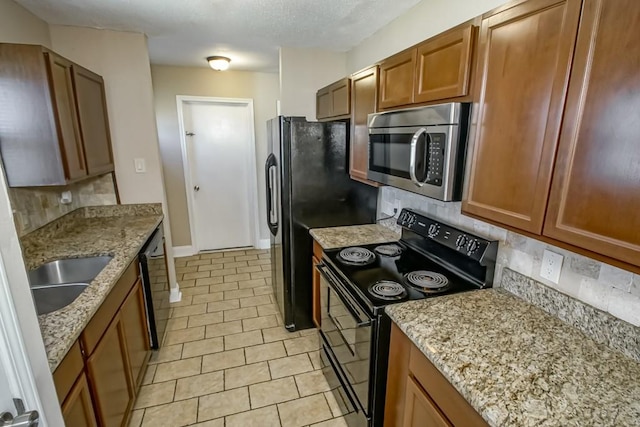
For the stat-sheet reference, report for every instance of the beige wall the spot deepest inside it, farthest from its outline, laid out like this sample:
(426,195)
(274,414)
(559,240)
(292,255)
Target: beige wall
(426,19)
(122,59)
(302,73)
(168,82)
(17,25)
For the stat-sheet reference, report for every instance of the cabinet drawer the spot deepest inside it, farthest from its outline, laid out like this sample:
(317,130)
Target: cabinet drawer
(68,371)
(107,311)
(443,394)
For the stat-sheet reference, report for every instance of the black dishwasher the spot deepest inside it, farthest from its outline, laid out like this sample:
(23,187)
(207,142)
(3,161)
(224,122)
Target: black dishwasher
(155,281)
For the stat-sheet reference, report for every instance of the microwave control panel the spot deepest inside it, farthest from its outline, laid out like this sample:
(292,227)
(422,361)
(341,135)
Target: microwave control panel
(435,158)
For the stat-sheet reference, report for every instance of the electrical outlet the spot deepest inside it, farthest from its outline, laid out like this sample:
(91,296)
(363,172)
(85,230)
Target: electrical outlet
(551,266)
(387,208)
(397,206)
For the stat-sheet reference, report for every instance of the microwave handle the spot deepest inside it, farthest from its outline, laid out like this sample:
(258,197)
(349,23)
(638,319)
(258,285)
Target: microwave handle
(412,159)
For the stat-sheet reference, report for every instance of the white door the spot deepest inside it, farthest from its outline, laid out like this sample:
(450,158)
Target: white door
(219,140)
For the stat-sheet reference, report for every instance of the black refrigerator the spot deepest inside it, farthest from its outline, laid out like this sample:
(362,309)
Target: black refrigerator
(308,186)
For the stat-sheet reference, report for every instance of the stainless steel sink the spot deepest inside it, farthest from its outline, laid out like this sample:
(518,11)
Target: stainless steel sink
(58,283)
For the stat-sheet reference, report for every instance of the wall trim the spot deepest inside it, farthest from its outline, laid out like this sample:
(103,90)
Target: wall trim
(181,251)
(263,244)
(175,295)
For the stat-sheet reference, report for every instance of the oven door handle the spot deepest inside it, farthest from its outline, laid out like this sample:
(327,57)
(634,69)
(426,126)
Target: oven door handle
(412,159)
(331,281)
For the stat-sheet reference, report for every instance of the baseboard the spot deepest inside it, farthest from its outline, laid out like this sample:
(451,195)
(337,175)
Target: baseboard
(180,251)
(264,244)
(175,295)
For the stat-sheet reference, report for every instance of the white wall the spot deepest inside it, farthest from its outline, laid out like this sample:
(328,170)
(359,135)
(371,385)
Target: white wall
(426,19)
(168,82)
(17,25)
(302,73)
(122,59)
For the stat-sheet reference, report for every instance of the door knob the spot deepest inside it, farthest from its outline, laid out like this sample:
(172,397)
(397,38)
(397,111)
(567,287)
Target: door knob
(27,419)
(196,188)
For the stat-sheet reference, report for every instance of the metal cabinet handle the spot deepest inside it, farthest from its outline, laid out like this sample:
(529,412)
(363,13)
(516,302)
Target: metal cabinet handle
(412,159)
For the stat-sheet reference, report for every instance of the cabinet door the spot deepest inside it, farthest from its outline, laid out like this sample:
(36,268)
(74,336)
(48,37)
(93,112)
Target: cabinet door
(444,65)
(77,409)
(94,123)
(364,87)
(340,98)
(524,61)
(134,323)
(595,196)
(108,369)
(61,87)
(420,410)
(396,80)
(323,104)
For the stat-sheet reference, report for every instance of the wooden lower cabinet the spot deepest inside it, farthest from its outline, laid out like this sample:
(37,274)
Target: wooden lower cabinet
(315,284)
(111,384)
(418,394)
(420,410)
(77,409)
(134,324)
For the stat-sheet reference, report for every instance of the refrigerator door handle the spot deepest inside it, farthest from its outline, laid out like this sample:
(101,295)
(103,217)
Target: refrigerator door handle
(272,219)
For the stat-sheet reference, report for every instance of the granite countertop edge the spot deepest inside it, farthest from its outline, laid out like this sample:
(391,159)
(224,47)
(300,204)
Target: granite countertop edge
(351,235)
(60,329)
(488,401)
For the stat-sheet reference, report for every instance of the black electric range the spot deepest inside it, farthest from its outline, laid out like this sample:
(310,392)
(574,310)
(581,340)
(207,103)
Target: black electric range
(431,259)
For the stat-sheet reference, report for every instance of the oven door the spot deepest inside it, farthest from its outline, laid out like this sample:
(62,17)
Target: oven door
(347,331)
(418,159)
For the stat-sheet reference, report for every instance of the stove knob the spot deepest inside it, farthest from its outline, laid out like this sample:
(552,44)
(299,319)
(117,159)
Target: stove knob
(461,241)
(472,246)
(433,230)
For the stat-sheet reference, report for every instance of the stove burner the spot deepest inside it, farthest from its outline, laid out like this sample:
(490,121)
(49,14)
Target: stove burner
(387,290)
(356,256)
(427,281)
(389,250)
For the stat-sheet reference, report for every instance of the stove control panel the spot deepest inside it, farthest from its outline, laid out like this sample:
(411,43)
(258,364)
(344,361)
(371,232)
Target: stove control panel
(472,246)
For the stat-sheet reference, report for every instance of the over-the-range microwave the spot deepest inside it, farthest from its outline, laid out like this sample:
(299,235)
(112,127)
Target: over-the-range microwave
(420,149)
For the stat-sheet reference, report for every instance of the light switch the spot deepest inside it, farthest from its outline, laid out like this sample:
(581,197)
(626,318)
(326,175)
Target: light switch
(140,165)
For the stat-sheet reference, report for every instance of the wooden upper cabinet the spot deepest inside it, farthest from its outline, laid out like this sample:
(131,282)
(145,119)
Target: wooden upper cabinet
(56,131)
(396,82)
(94,123)
(595,195)
(525,54)
(364,86)
(443,66)
(66,116)
(334,101)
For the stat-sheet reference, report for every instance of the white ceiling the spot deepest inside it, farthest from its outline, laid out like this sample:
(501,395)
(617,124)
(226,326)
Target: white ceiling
(184,32)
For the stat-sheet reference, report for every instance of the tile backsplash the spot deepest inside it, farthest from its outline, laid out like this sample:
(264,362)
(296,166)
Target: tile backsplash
(600,285)
(34,207)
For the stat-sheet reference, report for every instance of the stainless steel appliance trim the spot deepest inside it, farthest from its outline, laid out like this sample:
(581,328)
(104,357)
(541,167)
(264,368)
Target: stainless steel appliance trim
(412,159)
(441,114)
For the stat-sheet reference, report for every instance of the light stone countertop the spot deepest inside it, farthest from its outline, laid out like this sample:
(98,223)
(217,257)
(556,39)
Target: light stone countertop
(352,235)
(519,366)
(120,231)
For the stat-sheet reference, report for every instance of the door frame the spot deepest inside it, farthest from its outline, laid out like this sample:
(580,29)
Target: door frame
(181,100)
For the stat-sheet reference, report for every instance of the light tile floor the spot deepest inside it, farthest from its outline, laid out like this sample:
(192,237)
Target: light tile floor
(227,360)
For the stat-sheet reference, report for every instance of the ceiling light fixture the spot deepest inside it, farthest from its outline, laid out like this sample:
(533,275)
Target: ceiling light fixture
(218,63)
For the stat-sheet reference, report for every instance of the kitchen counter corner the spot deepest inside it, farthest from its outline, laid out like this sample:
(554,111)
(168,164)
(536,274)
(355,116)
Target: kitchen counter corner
(337,237)
(517,365)
(119,230)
